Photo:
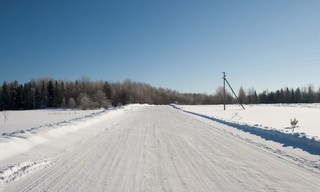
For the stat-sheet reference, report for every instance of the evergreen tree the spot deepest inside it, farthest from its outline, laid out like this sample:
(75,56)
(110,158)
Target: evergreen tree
(287,95)
(29,93)
(278,97)
(124,98)
(62,94)
(14,95)
(56,98)
(20,99)
(297,98)
(242,96)
(256,98)
(271,98)
(5,97)
(107,89)
(50,94)
(43,96)
(37,99)
(282,96)
(310,94)
(263,98)
(318,96)
(292,100)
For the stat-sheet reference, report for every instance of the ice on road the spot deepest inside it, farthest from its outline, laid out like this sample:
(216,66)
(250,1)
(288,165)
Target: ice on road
(157,148)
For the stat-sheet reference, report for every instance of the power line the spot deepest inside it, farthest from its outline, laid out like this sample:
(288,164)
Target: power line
(285,64)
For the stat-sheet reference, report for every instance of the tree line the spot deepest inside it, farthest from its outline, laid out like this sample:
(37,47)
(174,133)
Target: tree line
(87,94)
(284,95)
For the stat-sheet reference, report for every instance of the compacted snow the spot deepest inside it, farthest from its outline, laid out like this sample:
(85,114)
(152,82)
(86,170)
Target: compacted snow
(151,148)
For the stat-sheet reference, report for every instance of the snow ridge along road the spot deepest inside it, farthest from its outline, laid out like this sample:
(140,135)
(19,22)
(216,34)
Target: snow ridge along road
(157,148)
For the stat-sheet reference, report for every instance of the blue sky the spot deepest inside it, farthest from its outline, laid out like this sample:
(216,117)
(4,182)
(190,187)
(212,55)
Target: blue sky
(179,44)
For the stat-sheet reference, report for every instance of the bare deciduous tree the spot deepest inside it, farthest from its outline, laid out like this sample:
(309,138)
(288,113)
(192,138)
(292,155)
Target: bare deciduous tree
(72,103)
(100,97)
(84,101)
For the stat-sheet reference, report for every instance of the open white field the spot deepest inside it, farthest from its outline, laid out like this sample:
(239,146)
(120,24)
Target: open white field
(12,121)
(154,148)
(271,116)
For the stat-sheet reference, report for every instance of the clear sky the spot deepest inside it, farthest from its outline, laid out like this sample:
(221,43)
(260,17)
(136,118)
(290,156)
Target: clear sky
(178,44)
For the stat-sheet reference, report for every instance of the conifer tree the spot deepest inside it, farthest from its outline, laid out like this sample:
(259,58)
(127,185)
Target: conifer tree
(50,94)
(242,96)
(5,97)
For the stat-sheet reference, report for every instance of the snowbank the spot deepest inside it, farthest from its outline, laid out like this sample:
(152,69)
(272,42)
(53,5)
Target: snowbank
(24,139)
(13,172)
(271,122)
(18,155)
(13,121)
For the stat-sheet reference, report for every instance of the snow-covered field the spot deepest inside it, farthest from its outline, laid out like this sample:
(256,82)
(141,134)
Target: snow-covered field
(269,117)
(156,148)
(12,121)
(29,140)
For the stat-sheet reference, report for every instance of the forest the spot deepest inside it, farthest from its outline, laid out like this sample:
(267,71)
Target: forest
(87,94)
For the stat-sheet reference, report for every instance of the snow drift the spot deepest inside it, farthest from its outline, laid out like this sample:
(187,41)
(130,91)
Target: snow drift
(27,149)
(309,143)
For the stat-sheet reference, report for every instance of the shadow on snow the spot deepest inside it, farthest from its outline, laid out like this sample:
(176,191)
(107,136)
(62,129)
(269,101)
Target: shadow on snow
(294,140)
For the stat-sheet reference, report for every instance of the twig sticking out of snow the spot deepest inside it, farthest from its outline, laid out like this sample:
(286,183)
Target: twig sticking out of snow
(293,123)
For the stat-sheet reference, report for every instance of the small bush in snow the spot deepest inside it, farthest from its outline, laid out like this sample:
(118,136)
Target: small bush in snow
(293,123)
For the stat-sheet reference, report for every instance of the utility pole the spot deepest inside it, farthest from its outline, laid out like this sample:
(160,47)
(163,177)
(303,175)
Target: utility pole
(224,92)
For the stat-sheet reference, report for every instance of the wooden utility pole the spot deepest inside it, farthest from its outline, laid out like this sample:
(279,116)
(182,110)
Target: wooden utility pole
(224,92)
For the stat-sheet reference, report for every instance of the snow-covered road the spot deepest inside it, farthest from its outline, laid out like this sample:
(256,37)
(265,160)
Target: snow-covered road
(158,148)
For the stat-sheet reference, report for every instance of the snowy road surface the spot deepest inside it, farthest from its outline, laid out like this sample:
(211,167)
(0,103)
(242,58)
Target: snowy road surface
(157,148)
